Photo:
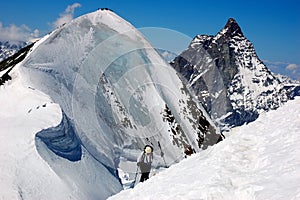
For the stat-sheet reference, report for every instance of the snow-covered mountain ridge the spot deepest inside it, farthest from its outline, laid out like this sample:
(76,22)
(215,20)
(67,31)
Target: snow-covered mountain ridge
(229,79)
(259,160)
(114,94)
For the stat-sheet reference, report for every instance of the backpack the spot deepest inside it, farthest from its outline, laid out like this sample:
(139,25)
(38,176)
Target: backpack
(145,167)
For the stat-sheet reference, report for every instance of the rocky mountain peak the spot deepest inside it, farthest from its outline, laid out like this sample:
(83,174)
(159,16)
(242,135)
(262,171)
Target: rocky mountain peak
(229,79)
(231,23)
(231,29)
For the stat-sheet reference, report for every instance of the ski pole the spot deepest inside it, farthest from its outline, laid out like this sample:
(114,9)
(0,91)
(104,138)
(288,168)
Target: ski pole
(148,140)
(136,173)
(162,154)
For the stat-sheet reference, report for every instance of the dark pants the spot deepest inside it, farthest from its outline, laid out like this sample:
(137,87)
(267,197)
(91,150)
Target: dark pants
(145,169)
(144,176)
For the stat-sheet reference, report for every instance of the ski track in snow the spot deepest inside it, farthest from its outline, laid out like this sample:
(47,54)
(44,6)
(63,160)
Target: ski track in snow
(260,160)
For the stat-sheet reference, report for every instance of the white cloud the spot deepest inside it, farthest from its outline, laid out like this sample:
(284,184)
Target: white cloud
(292,67)
(36,33)
(294,70)
(275,62)
(66,16)
(13,33)
(289,69)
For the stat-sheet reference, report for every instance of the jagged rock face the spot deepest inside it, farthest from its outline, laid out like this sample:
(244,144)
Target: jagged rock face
(229,79)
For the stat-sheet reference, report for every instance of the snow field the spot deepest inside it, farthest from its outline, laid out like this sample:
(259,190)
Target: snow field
(25,111)
(257,161)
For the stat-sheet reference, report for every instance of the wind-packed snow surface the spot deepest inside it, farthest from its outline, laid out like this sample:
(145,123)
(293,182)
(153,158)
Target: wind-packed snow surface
(257,161)
(110,94)
(28,169)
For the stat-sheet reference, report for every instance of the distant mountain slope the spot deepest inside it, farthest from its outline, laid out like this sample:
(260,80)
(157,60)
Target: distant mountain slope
(7,49)
(229,79)
(9,63)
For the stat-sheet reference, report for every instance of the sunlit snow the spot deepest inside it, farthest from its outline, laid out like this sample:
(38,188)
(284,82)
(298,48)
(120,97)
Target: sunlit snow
(257,161)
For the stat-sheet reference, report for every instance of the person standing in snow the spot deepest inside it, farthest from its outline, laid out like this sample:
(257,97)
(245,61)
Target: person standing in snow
(144,162)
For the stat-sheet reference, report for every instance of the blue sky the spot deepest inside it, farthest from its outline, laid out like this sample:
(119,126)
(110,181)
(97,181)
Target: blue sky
(272,26)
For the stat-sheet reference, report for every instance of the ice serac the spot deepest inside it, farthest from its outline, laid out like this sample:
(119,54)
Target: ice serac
(229,79)
(117,91)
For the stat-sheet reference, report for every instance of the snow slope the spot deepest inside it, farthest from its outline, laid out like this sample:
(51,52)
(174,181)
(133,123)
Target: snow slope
(257,161)
(24,112)
(24,160)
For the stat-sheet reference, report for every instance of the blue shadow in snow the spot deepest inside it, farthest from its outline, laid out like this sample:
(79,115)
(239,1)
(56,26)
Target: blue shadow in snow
(62,140)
